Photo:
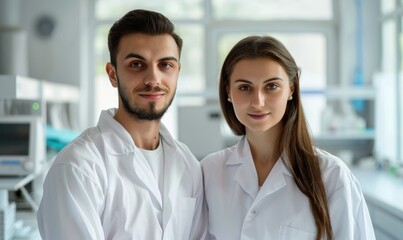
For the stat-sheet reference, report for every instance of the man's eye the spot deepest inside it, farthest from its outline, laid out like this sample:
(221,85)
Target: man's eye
(165,65)
(136,65)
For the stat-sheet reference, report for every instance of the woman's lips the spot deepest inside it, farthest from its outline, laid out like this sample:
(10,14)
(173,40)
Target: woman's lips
(258,116)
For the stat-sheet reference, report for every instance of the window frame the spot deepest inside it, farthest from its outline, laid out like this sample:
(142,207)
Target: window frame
(396,16)
(214,28)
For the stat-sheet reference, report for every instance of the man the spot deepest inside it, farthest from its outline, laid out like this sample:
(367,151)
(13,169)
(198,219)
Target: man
(127,178)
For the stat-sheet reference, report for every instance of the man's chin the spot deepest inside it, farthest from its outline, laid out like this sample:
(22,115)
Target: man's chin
(147,115)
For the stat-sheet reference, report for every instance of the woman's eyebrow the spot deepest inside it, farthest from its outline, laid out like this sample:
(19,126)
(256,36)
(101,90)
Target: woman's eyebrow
(265,81)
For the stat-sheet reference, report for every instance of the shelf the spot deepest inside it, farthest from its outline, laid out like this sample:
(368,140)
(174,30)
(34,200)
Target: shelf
(24,88)
(18,87)
(348,135)
(350,92)
(382,188)
(58,92)
(353,92)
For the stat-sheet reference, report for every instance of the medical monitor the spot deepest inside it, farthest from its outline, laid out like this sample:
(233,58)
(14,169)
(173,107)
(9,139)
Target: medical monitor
(22,145)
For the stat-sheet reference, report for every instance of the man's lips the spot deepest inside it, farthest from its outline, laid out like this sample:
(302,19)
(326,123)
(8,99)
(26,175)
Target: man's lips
(152,96)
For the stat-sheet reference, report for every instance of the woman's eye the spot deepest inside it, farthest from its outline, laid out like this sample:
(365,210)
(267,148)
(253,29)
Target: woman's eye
(272,86)
(244,88)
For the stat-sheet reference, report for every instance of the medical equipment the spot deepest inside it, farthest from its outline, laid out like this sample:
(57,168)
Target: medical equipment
(22,145)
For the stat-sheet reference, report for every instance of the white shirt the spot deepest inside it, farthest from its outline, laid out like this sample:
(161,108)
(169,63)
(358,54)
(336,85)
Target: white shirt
(238,210)
(155,160)
(100,187)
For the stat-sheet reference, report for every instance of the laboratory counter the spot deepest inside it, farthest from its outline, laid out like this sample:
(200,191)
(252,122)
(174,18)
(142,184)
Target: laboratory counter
(384,195)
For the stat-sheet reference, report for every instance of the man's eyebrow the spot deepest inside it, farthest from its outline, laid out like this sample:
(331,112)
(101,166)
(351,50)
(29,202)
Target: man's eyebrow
(136,55)
(265,81)
(169,59)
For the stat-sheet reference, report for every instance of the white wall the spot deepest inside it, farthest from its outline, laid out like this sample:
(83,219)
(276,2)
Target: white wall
(62,57)
(56,58)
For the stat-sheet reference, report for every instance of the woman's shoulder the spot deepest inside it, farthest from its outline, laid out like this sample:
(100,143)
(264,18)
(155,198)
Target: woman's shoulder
(219,157)
(335,171)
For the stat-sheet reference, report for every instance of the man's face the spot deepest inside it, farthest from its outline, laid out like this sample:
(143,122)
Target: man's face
(146,74)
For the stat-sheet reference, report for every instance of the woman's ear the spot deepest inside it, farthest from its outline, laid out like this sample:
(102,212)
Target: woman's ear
(229,95)
(292,90)
(110,70)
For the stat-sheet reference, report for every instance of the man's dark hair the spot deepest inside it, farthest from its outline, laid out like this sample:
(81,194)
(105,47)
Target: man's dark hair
(140,21)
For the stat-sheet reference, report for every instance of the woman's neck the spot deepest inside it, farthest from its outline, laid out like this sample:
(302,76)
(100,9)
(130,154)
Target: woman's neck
(265,150)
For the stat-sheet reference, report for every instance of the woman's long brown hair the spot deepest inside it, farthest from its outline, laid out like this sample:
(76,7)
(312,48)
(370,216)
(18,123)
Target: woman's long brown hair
(296,141)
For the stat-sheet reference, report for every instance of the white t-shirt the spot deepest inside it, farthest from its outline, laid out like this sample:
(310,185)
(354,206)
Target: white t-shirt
(155,159)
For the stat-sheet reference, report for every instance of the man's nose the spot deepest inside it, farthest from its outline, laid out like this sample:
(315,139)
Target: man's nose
(153,77)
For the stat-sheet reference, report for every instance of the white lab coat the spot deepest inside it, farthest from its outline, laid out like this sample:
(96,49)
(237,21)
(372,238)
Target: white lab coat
(99,187)
(238,210)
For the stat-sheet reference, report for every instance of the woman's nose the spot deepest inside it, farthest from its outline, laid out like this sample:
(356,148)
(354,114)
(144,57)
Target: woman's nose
(258,99)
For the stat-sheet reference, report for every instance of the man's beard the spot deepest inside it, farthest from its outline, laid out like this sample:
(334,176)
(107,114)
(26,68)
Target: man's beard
(140,113)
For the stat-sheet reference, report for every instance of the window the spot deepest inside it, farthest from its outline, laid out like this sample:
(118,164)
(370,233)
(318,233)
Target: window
(180,9)
(192,76)
(390,81)
(400,95)
(265,10)
(387,6)
(210,28)
(312,65)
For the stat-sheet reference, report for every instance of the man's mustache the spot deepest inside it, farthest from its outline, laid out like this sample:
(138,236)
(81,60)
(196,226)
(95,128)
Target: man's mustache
(152,89)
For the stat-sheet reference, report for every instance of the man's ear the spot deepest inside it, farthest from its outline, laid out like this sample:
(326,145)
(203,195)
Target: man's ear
(110,70)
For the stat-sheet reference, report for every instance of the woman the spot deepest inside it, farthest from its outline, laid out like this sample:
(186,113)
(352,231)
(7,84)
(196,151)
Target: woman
(274,184)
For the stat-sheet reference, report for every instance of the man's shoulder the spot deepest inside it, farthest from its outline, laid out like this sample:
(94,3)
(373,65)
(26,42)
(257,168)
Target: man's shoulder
(85,146)
(185,153)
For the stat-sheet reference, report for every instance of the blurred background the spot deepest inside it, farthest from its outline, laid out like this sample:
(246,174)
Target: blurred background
(52,68)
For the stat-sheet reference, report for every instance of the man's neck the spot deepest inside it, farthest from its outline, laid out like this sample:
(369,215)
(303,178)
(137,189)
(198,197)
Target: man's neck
(145,133)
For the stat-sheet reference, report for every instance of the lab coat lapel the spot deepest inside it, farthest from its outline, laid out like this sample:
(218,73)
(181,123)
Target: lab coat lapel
(245,175)
(275,180)
(146,177)
(174,170)
(120,147)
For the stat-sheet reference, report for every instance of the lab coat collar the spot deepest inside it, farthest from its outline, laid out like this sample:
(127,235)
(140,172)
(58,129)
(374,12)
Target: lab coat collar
(246,175)
(275,180)
(121,143)
(119,140)
(119,146)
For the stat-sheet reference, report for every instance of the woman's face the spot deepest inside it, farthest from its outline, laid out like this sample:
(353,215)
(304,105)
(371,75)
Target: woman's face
(259,90)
